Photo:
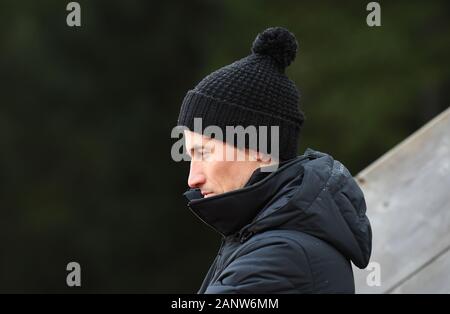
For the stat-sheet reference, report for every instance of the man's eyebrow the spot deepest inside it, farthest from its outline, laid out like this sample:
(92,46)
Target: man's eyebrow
(196,147)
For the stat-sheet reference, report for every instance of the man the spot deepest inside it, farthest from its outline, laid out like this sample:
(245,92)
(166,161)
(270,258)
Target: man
(293,230)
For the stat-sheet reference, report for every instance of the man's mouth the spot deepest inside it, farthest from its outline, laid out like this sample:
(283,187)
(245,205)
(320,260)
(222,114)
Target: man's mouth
(206,194)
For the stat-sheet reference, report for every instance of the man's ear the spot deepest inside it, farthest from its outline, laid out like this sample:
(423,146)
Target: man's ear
(263,159)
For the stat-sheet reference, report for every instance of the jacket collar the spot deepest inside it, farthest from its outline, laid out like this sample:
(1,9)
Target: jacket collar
(227,213)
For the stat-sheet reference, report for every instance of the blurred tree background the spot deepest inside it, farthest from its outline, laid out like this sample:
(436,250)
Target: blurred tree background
(86,115)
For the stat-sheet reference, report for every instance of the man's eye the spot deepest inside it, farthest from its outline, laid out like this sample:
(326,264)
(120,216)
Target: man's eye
(202,153)
(198,152)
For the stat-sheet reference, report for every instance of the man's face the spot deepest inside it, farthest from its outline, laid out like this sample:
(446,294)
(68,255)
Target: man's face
(211,171)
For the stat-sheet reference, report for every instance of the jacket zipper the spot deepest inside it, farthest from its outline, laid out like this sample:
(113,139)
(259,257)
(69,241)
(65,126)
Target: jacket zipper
(219,254)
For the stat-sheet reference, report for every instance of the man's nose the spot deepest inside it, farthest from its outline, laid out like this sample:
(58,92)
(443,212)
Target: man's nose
(196,177)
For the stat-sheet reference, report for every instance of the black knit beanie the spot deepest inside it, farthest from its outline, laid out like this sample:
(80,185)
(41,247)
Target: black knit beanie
(252,91)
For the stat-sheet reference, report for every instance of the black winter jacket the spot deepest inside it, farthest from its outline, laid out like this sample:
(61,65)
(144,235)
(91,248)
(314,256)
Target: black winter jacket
(294,230)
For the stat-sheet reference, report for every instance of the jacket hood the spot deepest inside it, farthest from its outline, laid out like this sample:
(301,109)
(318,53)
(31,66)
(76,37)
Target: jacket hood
(312,193)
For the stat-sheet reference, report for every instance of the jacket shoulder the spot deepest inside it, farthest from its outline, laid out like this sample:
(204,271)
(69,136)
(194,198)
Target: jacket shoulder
(330,271)
(284,261)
